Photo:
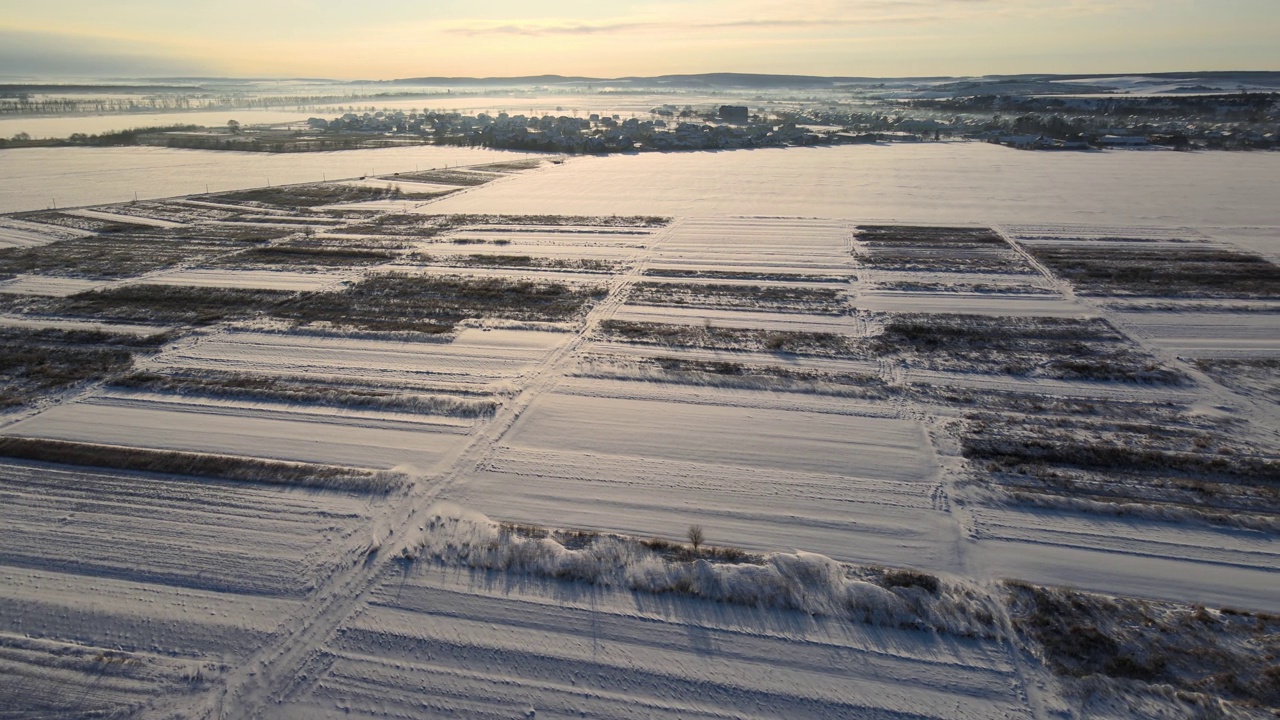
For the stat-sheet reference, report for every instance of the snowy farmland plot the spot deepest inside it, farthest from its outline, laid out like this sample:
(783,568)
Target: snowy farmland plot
(356,449)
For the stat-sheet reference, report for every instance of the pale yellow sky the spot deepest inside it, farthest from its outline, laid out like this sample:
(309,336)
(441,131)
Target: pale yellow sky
(410,38)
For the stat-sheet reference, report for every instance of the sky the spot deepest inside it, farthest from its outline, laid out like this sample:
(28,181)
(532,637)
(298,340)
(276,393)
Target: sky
(352,39)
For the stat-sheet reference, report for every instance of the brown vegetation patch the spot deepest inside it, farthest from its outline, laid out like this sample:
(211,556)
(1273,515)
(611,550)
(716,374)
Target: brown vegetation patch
(774,298)
(34,362)
(459,178)
(170,303)
(421,225)
(300,255)
(1251,376)
(1188,272)
(724,338)
(1063,348)
(939,249)
(1227,654)
(924,235)
(222,467)
(78,222)
(746,275)
(346,393)
(963,287)
(306,196)
(434,303)
(1125,460)
(517,261)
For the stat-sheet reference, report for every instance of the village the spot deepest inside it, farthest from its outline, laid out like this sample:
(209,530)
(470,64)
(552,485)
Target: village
(729,127)
(1241,122)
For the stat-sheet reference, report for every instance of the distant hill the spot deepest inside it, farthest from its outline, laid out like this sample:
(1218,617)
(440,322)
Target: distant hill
(708,80)
(990,83)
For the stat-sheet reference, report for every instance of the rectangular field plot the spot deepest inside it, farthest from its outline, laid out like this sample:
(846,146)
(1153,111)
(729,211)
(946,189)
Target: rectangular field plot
(48,286)
(534,236)
(1250,376)
(745,319)
(1215,334)
(756,245)
(856,487)
(430,639)
(757,509)
(17,234)
(237,538)
(473,357)
(263,279)
(1159,576)
(120,588)
(1130,536)
(1008,305)
(44,679)
(109,216)
(937,249)
(763,438)
(135,616)
(412,187)
(361,443)
(770,297)
(1191,270)
(571,271)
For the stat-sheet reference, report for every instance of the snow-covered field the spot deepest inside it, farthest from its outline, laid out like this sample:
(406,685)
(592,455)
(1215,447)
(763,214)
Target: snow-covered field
(123,588)
(264,279)
(479,357)
(732,373)
(470,645)
(39,178)
(45,285)
(950,183)
(1216,334)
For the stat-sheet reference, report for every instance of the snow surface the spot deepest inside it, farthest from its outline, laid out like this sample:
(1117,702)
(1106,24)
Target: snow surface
(58,324)
(240,600)
(36,178)
(124,218)
(281,435)
(467,645)
(475,357)
(1216,334)
(15,236)
(949,183)
(49,286)
(970,304)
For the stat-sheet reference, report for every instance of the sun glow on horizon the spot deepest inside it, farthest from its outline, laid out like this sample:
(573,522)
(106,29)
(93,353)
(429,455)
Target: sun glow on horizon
(400,38)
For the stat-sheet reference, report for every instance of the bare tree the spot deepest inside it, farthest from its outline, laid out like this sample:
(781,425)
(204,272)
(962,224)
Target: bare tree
(695,536)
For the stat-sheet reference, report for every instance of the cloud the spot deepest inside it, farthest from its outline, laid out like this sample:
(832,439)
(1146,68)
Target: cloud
(574,28)
(771,15)
(44,54)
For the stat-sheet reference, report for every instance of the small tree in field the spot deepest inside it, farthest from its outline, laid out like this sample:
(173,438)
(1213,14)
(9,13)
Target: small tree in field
(695,536)
(233,126)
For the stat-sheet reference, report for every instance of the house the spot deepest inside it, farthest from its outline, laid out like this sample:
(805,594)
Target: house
(735,113)
(1023,142)
(1122,141)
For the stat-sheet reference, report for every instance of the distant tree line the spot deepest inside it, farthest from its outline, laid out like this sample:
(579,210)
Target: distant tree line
(111,139)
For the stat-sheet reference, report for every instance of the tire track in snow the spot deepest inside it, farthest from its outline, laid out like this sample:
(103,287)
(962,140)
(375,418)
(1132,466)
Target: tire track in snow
(279,672)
